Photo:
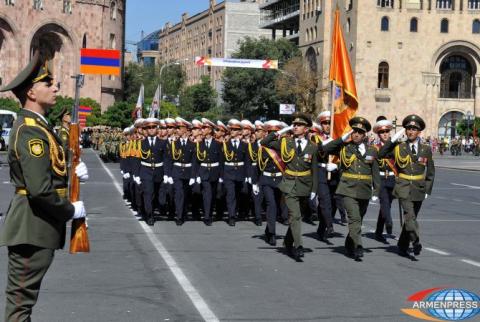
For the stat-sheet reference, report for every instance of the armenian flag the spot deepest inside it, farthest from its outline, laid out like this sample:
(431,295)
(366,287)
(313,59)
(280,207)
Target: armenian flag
(83,113)
(100,61)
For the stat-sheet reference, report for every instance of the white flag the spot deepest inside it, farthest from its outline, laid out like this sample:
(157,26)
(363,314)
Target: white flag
(140,100)
(155,108)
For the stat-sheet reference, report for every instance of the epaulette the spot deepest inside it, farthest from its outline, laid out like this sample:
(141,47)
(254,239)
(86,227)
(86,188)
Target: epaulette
(30,122)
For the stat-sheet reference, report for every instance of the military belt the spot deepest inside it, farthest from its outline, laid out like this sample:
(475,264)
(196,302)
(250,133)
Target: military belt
(152,165)
(235,164)
(322,165)
(182,165)
(62,192)
(210,165)
(387,173)
(412,177)
(298,173)
(357,176)
(272,174)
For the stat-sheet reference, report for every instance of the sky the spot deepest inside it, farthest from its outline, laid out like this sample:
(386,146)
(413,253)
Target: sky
(151,15)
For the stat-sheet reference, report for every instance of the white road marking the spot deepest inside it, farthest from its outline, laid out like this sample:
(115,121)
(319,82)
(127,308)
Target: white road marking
(475,203)
(437,251)
(437,220)
(468,261)
(465,185)
(197,300)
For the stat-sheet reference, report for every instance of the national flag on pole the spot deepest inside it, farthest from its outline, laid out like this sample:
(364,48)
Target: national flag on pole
(100,61)
(138,110)
(344,96)
(83,113)
(155,108)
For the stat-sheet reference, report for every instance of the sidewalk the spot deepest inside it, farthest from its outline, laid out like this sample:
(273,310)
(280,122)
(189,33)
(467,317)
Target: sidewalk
(462,162)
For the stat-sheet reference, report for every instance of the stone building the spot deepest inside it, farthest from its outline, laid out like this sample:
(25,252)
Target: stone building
(60,28)
(214,32)
(408,56)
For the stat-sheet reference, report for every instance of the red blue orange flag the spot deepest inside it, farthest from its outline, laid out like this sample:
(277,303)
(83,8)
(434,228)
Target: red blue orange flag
(344,96)
(100,61)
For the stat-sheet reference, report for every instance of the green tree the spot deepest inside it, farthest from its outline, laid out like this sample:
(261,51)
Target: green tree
(64,101)
(250,93)
(118,115)
(9,104)
(473,125)
(197,99)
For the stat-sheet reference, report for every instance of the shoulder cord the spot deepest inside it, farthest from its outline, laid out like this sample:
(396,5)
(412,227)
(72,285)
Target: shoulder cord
(201,155)
(176,154)
(262,163)
(347,162)
(253,155)
(287,156)
(402,162)
(228,155)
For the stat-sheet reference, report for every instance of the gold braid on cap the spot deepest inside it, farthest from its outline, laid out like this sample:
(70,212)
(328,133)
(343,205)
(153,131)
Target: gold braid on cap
(42,76)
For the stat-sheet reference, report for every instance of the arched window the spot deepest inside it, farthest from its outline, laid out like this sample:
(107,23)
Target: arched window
(457,78)
(315,33)
(307,35)
(444,26)
(384,24)
(413,25)
(476,26)
(113,10)
(84,41)
(347,26)
(383,70)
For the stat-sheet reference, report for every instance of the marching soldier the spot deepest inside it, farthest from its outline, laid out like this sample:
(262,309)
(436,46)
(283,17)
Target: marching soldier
(387,173)
(300,179)
(359,176)
(35,224)
(416,173)
(252,169)
(209,159)
(151,167)
(235,153)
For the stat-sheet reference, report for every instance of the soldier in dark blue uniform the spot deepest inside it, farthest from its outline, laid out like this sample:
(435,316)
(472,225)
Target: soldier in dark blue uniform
(181,167)
(166,190)
(387,174)
(209,159)
(235,154)
(135,159)
(151,167)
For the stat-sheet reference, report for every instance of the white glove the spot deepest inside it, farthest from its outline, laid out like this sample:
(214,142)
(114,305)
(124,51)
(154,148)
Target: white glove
(332,167)
(249,180)
(137,180)
(397,135)
(170,180)
(374,198)
(220,180)
(121,171)
(126,175)
(313,195)
(199,181)
(165,179)
(255,189)
(285,130)
(426,196)
(79,210)
(191,182)
(346,136)
(325,142)
(81,171)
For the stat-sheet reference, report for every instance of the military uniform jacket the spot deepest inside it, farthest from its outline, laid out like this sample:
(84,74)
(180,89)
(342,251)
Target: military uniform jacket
(266,165)
(307,161)
(151,158)
(386,166)
(323,160)
(39,210)
(64,135)
(181,161)
(236,161)
(420,168)
(359,173)
(209,160)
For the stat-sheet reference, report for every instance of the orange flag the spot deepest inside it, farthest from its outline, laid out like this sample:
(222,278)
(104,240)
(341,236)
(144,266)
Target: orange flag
(344,96)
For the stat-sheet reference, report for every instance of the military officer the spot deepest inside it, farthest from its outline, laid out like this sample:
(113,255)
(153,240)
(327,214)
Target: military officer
(151,167)
(35,224)
(360,175)
(387,173)
(252,169)
(416,173)
(300,180)
(209,158)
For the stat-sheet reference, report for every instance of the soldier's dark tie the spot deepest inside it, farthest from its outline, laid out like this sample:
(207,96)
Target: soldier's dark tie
(299,146)
(414,151)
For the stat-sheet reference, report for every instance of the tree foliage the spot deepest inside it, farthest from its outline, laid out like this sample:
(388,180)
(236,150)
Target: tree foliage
(9,104)
(64,101)
(198,99)
(251,93)
(472,125)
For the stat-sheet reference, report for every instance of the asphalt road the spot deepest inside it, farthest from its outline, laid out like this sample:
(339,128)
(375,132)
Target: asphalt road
(194,272)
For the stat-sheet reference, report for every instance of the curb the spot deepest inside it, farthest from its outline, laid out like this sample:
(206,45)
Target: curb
(454,168)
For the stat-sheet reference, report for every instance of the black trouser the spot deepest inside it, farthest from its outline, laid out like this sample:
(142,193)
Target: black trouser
(209,190)
(150,194)
(324,207)
(272,209)
(410,225)
(385,213)
(233,189)
(336,202)
(181,191)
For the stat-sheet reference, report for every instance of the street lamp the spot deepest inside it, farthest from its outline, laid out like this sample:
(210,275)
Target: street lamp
(160,76)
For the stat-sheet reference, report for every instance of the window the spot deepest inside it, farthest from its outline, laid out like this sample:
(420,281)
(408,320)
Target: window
(444,4)
(383,75)
(10,2)
(84,41)
(307,35)
(349,5)
(113,43)
(444,26)
(347,26)
(67,6)
(384,24)
(476,26)
(38,4)
(413,25)
(385,3)
(457,78)
(473,4)
(113,10)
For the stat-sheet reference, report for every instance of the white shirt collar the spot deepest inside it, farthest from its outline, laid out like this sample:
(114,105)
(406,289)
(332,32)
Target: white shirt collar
(362,148)
(41,116)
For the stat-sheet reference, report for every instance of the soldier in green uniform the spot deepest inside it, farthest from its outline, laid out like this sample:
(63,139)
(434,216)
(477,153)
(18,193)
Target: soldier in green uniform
(416,172)
(359,176)
(36,220)
(300,176)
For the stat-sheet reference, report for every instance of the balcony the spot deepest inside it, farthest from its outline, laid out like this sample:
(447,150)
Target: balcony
(382,95)
(277,14)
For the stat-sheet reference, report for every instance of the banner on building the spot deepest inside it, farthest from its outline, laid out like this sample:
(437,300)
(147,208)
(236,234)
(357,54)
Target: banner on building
(240,63)
(287,109)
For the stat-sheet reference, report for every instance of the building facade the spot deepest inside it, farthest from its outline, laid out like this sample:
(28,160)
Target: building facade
(282,17)
(408,56)
(60,28)
(214,32)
